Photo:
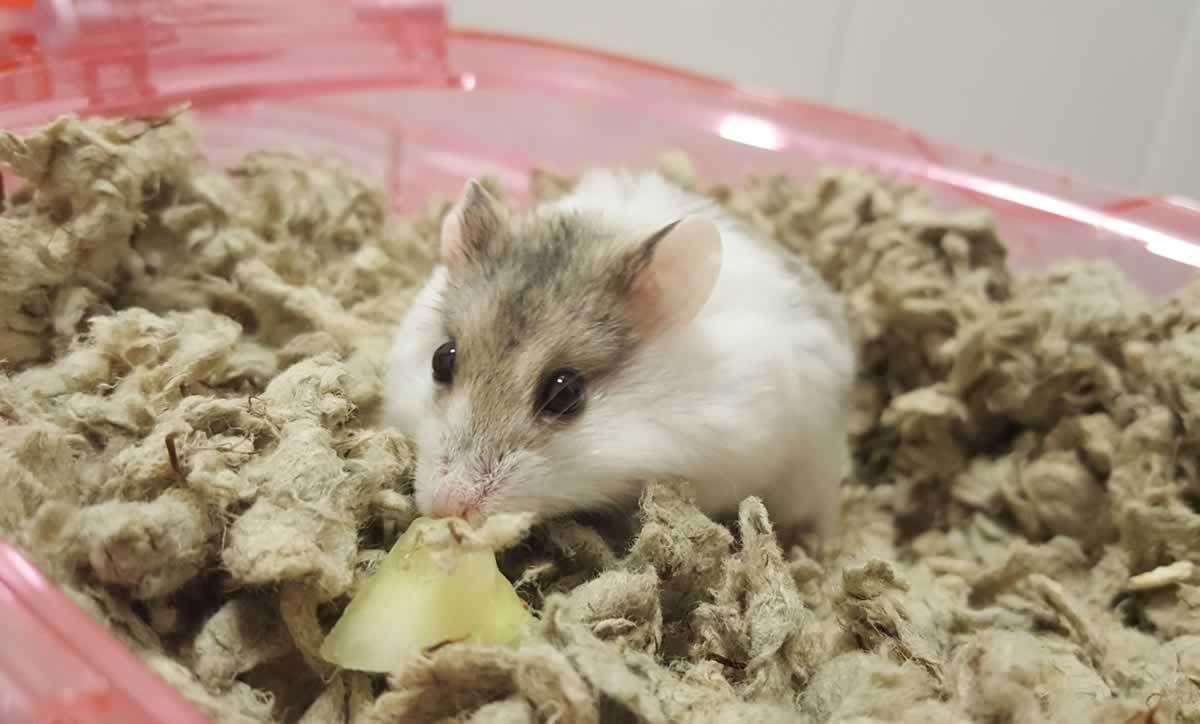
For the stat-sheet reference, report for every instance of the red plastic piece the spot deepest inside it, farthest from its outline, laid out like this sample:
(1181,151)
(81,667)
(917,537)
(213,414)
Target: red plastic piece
(59,666)
(385,86)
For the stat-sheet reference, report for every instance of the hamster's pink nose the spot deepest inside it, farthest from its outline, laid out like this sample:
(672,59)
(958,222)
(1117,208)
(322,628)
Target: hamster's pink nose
(450,504)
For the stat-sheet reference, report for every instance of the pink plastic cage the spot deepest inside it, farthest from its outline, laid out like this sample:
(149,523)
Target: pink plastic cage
(387,87)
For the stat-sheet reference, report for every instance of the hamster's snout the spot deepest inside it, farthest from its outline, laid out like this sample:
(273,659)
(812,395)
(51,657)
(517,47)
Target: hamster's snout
(456,501)
(467,481)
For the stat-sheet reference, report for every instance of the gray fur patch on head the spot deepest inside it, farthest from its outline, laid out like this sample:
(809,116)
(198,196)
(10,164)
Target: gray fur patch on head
(548,294)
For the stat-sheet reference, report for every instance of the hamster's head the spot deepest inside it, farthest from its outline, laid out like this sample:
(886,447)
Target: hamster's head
(529,399)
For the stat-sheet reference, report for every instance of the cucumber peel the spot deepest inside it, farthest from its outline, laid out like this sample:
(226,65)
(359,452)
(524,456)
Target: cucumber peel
(423,595)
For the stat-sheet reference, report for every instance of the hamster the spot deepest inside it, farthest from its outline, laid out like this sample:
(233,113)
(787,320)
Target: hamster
(559,357)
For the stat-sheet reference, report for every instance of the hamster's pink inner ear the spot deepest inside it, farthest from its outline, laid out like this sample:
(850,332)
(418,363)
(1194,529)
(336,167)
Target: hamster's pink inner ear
(674,273)
(475,220)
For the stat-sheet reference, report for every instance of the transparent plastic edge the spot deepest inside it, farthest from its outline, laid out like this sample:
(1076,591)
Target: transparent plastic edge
(1168,225)
(112,57)
(82,672)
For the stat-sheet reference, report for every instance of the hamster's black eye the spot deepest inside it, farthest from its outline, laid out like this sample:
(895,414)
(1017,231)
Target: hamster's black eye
(561,394)
(443,362)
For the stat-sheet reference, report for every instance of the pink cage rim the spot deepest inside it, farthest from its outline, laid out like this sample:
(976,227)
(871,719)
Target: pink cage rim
(167,51)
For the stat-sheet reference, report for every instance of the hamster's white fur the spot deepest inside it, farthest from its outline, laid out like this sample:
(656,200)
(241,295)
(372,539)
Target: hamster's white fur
(749,398)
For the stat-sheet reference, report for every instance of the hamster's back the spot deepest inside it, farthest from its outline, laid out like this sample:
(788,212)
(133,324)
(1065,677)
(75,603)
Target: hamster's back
(770,352)
(768,303)
(640,200)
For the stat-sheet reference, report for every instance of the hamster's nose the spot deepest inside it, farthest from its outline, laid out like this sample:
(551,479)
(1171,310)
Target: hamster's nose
(448,504)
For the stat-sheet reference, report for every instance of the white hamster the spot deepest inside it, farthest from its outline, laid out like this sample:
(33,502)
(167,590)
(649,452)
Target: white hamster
(559,357)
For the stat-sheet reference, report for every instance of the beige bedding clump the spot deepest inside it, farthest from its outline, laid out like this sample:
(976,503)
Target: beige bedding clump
(189,446)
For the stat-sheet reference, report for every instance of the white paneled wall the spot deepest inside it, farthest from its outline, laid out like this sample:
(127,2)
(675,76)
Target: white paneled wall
(1174,163)
(1107,90)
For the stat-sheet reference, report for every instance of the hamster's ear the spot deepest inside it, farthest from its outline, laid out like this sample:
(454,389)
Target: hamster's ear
(671,274)
(471,225)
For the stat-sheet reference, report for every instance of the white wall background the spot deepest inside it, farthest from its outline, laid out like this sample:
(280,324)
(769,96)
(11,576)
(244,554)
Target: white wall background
(1106,90)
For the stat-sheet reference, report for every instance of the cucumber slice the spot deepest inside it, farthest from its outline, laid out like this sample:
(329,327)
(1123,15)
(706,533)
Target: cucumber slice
(418,598)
